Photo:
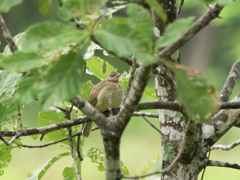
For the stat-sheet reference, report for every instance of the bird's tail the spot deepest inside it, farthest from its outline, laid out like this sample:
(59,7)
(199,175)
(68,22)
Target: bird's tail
(87,130)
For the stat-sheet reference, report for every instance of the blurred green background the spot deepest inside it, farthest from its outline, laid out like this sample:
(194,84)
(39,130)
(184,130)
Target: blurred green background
(212,51)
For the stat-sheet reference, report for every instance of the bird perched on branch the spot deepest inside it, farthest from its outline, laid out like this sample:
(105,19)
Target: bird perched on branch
(108,90)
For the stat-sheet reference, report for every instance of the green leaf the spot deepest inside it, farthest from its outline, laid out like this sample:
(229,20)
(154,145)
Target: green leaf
(97,156)
(69,173)
(51,35)
(6,5)
(70,9)
(48,118)
(199,102)
(99,67)
(147,59)
(124,169)
(5,156)
(8,110)
(117,36)
(86,90)
(64,13)
(1,55)
(174,31)
(39,173)
(21,62)
(26,91)
(18,39)
(8,82)
(150,164)
(122,37)
(157,9)
(63,80)
(44,6)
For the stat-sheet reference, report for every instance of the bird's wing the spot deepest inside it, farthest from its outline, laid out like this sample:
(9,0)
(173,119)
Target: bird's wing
(95,91)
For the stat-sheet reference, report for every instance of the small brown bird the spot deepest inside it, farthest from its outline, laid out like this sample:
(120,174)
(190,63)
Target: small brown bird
(101,94)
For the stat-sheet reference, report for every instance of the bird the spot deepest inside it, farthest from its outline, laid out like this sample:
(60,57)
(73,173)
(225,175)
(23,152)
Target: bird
(100,97)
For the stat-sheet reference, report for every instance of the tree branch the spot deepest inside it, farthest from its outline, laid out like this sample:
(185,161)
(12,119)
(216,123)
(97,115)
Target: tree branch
(197,26)
(223,164)
(130,80)
(151,124)
(145,114)
(230,82)
(180,8)
(226,148)
(55,142)
(46,129)
(7,35)
(90,111)
(19,119)
(135,94)
(141,106)
(220,124)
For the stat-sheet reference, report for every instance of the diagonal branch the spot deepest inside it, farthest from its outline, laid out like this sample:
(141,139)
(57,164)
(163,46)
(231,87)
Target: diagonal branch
(7,35)
(197,26)
(135,94)
(180,8)
(151,124)
(220,124)
(130,80)
(223,164)
(230,82)
(226,148)
(90,111)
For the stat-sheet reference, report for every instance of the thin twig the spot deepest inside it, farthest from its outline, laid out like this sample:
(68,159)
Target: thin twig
(102,16)
(226,148)
(223,164)
(15,137)
(170,166)
(205,166)
(68,117)
(151,124)
(42,136)
(197,26)
(130,80)
(4,140)
(55,142)
(146,114)
(78,148)
(180,8)
(230,82)
(7,35)
(19,119)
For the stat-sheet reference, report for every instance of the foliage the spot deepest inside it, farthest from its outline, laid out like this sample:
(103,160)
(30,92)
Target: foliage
(55,56)
(39,173)
(7,4)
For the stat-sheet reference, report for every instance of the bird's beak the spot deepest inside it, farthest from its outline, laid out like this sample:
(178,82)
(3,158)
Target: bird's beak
(118,75)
